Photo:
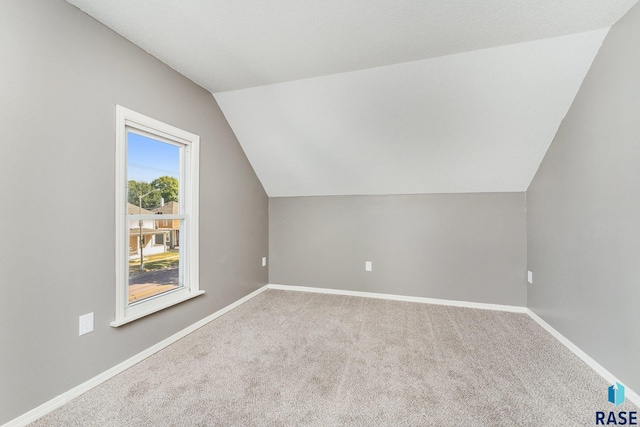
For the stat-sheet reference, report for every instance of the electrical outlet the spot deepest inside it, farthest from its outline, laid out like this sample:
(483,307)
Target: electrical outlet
(530,277)
(86,324)
(368,266)
(264,261)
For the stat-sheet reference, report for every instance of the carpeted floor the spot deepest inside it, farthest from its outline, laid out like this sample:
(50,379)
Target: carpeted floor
(301,359)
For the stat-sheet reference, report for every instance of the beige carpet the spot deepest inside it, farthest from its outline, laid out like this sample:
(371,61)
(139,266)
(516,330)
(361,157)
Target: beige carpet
(300,359)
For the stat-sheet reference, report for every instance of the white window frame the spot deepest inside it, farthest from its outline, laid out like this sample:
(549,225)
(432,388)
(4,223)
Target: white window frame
(128,120)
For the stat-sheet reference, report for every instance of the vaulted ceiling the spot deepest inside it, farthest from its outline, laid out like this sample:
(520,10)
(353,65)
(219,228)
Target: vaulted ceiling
(379,96)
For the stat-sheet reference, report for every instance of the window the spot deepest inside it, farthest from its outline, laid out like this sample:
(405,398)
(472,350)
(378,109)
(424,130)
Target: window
(159,239)
(155,163)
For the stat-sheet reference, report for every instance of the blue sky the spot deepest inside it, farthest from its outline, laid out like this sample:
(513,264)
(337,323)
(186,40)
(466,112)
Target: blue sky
(148,159)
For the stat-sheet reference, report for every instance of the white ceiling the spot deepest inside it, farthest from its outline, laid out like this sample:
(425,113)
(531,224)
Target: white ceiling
(379,96)
(479,121)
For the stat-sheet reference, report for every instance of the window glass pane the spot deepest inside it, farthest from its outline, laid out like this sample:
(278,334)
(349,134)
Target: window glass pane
(153,171)
(153,188)
(160,271)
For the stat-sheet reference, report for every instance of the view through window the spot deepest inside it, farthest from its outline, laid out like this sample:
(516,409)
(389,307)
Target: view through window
(153,188)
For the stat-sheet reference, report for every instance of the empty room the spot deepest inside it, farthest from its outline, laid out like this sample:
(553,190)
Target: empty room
(307,213)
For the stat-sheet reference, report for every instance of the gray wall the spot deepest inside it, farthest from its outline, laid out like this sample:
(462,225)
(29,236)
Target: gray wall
(469,247)
(61,75)
(584,212)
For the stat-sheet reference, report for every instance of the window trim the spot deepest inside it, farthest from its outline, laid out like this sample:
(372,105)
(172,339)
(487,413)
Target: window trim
(189,173)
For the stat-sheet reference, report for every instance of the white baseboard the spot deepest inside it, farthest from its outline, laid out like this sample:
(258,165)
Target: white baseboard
(60,400)
(604,373)
(601,370)
(453,303)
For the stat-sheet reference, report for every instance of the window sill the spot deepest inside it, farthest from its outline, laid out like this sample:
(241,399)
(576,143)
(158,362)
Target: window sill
(150,307)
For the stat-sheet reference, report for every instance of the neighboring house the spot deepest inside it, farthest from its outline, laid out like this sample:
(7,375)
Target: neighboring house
(153,239)
(171,225)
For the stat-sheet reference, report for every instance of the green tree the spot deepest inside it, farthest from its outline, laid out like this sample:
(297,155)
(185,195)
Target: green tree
(137,188)
(168,188)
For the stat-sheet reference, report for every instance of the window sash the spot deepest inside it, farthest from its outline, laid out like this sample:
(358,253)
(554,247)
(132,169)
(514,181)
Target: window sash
(155,217)
(183,265)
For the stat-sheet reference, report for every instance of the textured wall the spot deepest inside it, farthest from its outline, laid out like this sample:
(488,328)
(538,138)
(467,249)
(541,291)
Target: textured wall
(469,247)
(62,74)
(583,210)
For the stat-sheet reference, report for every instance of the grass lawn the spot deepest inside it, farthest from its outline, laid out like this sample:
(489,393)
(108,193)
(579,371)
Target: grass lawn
(155,262)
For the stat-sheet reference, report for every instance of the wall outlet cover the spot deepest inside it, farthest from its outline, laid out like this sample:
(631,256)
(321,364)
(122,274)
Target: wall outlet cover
(85,324)
(530,277)
(368,266)
(264,261)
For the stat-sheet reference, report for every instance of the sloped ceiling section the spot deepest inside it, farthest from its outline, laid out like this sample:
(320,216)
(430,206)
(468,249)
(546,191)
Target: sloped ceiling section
(379,96)
(479,121)
(234,44)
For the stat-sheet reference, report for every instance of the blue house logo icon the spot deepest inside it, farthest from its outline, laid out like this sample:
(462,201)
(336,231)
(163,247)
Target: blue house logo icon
(616,394)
